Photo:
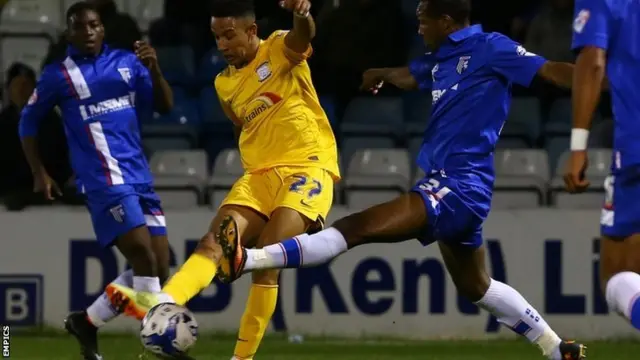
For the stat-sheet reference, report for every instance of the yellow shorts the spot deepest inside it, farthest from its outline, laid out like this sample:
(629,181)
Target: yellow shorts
(307,190)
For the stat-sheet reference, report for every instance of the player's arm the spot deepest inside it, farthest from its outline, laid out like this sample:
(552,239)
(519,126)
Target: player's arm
(400,77)
(563,75)
(299,38)
(40,103)
(151,80)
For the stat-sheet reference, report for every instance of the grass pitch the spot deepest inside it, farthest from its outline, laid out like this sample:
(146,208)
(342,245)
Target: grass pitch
(220,347)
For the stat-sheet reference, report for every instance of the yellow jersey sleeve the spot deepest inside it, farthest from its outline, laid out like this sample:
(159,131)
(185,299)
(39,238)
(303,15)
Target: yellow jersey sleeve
(279,47)
(273,99)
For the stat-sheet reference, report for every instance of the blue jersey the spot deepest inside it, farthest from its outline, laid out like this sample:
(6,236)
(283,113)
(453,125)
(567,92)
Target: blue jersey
(101,100)
(614,25)
(470,77)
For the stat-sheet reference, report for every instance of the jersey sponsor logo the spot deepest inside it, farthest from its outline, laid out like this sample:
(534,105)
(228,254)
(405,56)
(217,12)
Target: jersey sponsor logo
(33,98)
(125,73)
(437,94)
(263,71)
(581,20)
(463,64)
(105,107)
(523,52)
(118,213)
(261,104)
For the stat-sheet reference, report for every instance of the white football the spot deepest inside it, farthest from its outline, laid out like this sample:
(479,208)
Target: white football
(169,330)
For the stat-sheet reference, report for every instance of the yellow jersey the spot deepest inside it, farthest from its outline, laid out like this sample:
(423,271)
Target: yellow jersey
(274,101)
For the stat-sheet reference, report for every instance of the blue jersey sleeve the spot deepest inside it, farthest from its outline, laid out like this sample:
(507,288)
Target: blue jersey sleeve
(42,101)
(513,61)
(420,69)
(591,25)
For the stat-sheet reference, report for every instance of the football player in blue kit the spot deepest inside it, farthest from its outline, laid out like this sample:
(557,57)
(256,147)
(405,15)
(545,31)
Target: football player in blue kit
(470,74)
(103,94)
(607,35)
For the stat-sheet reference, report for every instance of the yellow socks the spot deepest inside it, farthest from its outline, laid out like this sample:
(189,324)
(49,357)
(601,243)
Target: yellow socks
(194,275)
(260,306)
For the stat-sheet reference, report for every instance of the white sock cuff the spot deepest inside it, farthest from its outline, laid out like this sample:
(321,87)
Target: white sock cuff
(334,239)
(621,291)
(146,284)
(126,278)
(493,293)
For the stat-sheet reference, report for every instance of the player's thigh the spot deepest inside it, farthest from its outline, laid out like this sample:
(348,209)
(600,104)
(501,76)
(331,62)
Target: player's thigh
(284,223)
(116,215)
(306,191)
(253,191)
(401,219)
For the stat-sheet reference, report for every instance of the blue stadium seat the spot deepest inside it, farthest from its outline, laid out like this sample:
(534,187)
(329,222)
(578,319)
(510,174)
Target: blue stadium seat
(178,64)
(560,116)
(209,106)
(524,120)
(329,107)
(417,111)
(380,116)
(211,64)
(185,112)
(162,137)
(350,145)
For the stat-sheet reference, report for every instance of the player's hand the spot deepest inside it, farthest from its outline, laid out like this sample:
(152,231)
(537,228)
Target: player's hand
(300,7)
(372,81)
(146,54)
(43,183)
(574,178)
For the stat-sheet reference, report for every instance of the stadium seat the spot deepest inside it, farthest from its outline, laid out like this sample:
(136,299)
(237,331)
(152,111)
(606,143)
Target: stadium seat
(524,120)
(41,12)
(380,116)
(414,145)
(227,169)
(350,145)
(376,175)
(214,143)
(184,112)
(179,177)
(417,111)
(560,116)
(178,64)
(521,178)
(210,109)
(145,11)
(211,64)
(599,168)
(555,146)
(30,50)
(168,137)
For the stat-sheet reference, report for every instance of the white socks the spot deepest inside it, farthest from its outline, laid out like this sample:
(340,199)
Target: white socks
(147,284)
(514,311)
(101,311)
(623,296)
(300,251)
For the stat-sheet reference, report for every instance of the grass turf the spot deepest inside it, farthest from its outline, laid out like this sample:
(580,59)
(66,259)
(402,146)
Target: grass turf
(219,347)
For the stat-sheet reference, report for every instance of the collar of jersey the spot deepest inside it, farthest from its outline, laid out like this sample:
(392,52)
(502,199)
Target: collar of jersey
(465,33)
(75,53)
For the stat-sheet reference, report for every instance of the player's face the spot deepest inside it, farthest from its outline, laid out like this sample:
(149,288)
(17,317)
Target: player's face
(20,89)
(432,29)
(86,32)
(234,38)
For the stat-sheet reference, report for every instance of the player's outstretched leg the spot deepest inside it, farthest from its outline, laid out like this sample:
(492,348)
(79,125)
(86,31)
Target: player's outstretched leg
(373,225)
(466,265)
(619,275)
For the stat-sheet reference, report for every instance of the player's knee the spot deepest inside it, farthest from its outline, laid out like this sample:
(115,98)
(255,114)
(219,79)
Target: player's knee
(265,277)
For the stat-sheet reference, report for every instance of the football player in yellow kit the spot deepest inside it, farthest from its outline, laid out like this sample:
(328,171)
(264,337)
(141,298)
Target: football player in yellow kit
(288,151)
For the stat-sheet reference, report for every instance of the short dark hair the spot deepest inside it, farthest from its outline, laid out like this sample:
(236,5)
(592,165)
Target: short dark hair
(458,10)
(80,7)
(232,8)
(19,69)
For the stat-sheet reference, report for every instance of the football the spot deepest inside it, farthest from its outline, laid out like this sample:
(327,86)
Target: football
(169,330)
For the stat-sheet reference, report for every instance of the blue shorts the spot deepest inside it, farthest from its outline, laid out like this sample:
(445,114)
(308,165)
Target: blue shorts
(620,215)
(452,217)
(116,210)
